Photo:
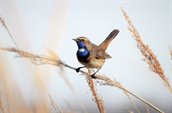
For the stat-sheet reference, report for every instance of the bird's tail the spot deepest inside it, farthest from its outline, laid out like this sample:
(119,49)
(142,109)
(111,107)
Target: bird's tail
(110,37)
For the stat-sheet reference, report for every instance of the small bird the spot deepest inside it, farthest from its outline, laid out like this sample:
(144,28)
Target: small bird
(91,55)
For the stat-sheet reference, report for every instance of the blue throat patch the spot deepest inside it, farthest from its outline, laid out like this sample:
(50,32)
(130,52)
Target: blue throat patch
(82,52)
(81,45)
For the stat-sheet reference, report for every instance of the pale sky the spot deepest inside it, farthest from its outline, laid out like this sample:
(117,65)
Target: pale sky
(38,26)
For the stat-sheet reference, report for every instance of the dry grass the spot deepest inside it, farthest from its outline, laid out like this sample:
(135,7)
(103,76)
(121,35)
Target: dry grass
(3,23)
(1,104)
(54,104)
(36,59)
(4,103)
(12,98)
(39,106)
(69,106)
(171,52)
(149,57)
(147,109)
(54,56)
(98,100)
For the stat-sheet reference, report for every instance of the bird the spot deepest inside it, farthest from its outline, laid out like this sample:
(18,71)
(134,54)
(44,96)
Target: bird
(91,55)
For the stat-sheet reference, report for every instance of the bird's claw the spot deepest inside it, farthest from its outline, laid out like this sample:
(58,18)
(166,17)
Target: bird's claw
(77,69)
(93,76)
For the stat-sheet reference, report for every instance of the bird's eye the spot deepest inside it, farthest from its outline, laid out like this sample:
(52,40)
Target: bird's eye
(82,40)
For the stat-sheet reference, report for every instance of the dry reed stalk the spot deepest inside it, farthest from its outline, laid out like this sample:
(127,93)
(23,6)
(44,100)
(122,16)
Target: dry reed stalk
(98,100)
(171,52)
(130,111)
(54,56)
(5,101)
(3,23)
(1,85)
(36,59)
(1,105)
(13,99)
(69,106)
(149,57)
(134,105)
(54,104)
(147,109)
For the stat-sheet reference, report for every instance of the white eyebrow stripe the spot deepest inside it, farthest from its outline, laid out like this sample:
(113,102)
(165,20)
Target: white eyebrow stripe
(81,50)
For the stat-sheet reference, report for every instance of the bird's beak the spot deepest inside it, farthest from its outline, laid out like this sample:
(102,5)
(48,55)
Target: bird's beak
(75,39)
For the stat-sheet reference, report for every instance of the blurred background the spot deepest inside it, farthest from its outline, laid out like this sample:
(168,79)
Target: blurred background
(42,25)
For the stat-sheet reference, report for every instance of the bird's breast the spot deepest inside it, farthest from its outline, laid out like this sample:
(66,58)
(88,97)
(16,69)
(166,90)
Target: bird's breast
(83,55)
(90,60)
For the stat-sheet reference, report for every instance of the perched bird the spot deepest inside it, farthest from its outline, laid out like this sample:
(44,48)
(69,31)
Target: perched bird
(91,55)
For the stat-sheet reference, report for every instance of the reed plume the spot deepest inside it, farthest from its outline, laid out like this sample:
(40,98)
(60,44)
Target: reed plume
(148,55)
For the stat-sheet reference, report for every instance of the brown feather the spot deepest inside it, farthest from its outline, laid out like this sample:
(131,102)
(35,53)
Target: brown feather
(110,37)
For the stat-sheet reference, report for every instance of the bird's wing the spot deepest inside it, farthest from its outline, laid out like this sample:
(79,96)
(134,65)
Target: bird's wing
(110,37)
(107,56)
(100,54)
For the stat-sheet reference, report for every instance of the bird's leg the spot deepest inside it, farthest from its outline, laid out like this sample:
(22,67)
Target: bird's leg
(78,69)
(94,74)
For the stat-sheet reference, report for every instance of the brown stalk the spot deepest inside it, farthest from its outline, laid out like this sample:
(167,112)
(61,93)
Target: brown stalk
(171,52)
(6,101)
(1,103)
(3,23)
(69,106)
(54,56)
(1,106)
(36,59)
(54,104)
(98,100)
(149,57)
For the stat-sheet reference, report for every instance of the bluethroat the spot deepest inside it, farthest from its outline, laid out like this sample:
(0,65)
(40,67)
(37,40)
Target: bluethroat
(91,55)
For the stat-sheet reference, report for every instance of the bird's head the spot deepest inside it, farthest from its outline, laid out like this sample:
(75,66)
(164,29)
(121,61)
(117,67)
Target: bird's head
(82,42)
